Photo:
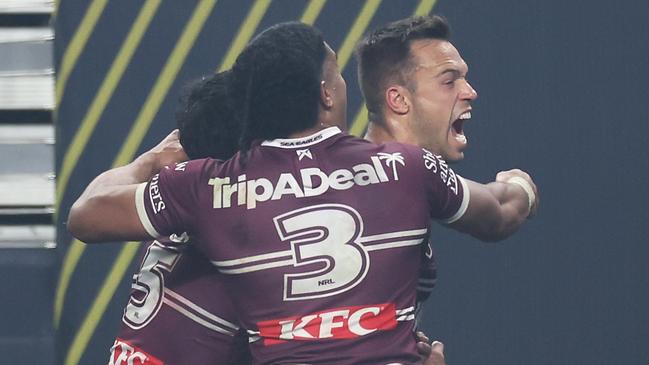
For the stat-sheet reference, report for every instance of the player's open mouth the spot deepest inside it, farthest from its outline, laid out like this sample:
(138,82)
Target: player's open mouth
(457,128)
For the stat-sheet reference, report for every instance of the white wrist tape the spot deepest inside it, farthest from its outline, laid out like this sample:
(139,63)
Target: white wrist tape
(531,197)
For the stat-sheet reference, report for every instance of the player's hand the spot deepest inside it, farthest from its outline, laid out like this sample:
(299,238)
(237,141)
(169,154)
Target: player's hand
(168,152)
(431,353)
(512,175)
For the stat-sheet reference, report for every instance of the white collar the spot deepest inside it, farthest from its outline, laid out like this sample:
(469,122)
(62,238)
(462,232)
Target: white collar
(303,141)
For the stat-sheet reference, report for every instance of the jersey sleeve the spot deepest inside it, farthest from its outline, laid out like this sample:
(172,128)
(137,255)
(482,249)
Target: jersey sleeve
(166,204)
(447,193)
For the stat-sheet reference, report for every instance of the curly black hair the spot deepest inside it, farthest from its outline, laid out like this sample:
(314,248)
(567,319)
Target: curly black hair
(276,82)
(208,125)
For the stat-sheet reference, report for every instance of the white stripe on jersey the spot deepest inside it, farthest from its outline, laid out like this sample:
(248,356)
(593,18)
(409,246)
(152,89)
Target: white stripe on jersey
(425,289)
(405,310)
(141,211)
(271,260)
(259,267)
(406,314)
(400,234)
(250,259)
(409,317)
(424,281)
(304,141)
(253,336)
(196,319)
(199,310)
(396,244)
(465,203)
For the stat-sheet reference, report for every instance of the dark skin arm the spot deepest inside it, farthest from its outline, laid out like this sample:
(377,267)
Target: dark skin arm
(106,210)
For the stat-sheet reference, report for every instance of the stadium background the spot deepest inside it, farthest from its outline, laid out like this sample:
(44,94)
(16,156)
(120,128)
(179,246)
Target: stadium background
(562,94)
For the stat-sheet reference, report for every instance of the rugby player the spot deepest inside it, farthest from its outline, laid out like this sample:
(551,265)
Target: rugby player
(415,87)
(188,294)
(295,221)
(414,84)
(405,103)
(177,290)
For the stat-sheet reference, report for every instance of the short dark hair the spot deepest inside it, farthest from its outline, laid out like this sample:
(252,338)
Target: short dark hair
(384,56)
(276,82)
(206,119)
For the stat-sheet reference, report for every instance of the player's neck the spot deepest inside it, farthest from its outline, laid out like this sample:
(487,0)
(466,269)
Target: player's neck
(389,131)
(313,130)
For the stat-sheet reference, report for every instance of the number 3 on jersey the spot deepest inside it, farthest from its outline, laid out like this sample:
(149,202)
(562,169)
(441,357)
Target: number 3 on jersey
(324,234)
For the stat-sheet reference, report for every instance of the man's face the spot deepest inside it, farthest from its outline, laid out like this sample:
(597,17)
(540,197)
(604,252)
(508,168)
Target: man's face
(336,86)
(441,98)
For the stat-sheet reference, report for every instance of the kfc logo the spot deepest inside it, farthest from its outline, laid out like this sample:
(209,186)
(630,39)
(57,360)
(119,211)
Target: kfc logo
(124,354)
(339,323)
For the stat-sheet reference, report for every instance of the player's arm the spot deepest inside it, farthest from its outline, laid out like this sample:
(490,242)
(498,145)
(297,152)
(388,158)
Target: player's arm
(496,210)
(106,211)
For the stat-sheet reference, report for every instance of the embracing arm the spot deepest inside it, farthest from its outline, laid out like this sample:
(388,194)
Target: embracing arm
(106,210)
(496,210)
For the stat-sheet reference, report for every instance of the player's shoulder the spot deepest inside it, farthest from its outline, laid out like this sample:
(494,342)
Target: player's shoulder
(401,147)
(195,165)
(402,151)
(194,169)
(372,147)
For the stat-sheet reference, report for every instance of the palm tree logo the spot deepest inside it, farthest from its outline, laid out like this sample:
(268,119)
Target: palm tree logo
(391,160)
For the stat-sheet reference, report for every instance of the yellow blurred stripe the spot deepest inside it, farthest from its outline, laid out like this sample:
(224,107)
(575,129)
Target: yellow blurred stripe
(82,136)
(57,3)
(361,119)
(77,44)
(425,7)
(72,256)
(251,22)
(246,30)
(164,82)
(362,21)
(100,303)
(108,86)
(130,146)
(312,11)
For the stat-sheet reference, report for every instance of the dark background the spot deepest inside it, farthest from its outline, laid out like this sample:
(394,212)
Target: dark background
(562,96)
(562,86)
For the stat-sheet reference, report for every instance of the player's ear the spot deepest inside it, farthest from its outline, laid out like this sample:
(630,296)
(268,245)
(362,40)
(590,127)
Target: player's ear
(325,95)
(397,99)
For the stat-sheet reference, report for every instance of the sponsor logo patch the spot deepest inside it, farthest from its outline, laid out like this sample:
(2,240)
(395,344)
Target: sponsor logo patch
(438,166)
(154,195)
(338,323)
(310,182)
(123,353)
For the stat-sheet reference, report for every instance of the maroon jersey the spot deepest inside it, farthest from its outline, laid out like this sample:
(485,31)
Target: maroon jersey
(320,238)
(179,312)
(427,273)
